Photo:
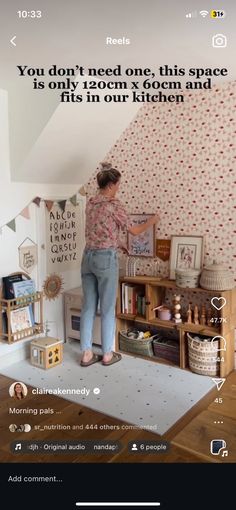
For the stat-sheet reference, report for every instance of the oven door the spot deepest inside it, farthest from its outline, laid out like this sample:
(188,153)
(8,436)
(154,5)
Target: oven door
(73,323)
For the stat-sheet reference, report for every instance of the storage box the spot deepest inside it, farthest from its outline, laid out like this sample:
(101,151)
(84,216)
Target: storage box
(167,349)
(136,345)
(46,352)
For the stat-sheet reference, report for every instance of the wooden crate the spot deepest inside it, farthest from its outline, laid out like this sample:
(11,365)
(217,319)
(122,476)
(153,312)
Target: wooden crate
(46,352)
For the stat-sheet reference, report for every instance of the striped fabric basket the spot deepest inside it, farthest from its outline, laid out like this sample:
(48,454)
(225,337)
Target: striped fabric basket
(203,355)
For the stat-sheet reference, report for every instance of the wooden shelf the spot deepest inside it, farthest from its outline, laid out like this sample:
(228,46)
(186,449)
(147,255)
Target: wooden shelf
(131,317)
(198,328)
(141,319)
(168,284)
(155,294)
(8,305)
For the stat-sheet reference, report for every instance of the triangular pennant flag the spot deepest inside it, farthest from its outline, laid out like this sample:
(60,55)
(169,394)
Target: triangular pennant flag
(73,199)
(49,204)
(25,213)
(12,225)
(37,201)
(82,191)
(62,204)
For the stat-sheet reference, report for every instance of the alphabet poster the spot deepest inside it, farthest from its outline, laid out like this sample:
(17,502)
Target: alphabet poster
(64,238)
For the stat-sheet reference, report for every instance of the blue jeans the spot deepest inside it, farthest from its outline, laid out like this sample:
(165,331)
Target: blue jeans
(99,273)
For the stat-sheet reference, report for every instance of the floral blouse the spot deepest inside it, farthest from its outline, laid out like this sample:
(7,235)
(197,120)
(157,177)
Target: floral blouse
(105,217)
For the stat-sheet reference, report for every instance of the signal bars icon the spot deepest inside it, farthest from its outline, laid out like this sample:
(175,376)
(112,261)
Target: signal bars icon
(191,14)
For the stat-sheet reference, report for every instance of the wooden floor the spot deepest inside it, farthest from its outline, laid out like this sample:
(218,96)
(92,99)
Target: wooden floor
(189,438)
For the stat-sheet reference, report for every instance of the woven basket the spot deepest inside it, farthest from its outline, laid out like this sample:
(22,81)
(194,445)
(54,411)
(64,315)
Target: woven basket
(167,349)
(216,277)
(142,346)
(203,354)
(187,278)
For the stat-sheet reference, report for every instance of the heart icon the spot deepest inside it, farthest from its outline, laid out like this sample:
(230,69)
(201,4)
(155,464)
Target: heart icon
(218,302)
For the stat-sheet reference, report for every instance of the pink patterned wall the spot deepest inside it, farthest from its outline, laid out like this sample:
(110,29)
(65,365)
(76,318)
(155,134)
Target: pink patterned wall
(179,160)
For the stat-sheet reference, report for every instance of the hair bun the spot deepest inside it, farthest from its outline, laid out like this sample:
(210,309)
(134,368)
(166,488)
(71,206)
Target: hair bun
(105,165)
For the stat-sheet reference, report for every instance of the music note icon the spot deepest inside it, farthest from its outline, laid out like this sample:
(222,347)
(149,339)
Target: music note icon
(225,453)
(18,446)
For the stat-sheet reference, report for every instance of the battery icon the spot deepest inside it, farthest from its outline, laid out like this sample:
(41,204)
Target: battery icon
(219,14)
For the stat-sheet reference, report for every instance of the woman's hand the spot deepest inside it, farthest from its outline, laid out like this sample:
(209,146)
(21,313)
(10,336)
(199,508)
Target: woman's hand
(139,229)
(153,220)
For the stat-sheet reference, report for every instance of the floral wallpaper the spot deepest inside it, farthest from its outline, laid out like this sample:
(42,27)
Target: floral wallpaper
(179,160)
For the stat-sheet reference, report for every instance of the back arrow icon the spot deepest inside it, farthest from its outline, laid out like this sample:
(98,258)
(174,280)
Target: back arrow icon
(12,40)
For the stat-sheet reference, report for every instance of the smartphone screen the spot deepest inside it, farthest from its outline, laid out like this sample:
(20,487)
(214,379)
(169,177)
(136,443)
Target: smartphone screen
(117,236)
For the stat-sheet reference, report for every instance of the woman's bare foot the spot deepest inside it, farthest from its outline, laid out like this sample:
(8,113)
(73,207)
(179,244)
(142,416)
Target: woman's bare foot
(87,356)
(107,357)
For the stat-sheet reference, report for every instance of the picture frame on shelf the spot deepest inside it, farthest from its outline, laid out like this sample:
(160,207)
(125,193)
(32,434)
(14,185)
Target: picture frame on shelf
(142,245)
(21,318)
(186,252)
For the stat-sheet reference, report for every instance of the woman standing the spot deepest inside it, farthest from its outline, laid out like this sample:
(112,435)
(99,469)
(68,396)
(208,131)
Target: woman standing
(105,216)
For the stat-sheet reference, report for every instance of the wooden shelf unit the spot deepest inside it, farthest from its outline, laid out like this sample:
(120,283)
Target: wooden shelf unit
(154,291)
(7,305)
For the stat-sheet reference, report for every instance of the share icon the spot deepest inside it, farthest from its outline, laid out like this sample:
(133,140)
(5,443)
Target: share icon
(219,383)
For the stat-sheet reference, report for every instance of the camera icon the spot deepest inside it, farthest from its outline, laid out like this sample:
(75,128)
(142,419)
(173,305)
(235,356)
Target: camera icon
(219,41)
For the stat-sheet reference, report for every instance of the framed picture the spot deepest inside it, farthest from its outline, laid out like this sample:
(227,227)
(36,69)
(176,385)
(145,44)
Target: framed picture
(142,245)
(21,318)
(186,253)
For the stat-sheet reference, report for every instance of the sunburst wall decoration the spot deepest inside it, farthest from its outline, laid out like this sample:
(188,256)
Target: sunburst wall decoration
(52,286)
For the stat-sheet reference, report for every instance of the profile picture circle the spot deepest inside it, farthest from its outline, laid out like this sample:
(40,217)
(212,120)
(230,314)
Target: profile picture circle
(13,427)
(18,390)
(27,427)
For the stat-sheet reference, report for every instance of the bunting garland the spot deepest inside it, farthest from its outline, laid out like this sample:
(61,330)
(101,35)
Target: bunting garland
(62,204)
(25,213)
(82,191)
(49,204)
(12,225)
(37,201)
(73,200)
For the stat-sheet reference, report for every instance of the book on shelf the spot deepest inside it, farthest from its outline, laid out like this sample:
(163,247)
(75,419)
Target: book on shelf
(8,281)
(132,299)
(24,288)
(141,305)
(21,318)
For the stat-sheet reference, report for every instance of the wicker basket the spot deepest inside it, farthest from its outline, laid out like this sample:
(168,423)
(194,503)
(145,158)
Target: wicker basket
(203,354)
(167,349)
(187,278)
(142,346)
(216,277)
